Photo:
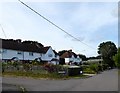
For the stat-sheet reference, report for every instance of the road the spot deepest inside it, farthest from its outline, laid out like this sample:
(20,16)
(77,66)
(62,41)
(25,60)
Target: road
(10,87)
(106,81)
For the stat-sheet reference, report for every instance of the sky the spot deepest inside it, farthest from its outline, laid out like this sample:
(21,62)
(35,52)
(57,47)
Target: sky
(91,22)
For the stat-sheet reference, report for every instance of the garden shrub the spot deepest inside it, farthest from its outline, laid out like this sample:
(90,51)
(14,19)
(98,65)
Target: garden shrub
(3,66)
(54,68)
(34,62)
(105,66)
(92,68)
(100,68)
(88,71)
(84,67)
(26,66)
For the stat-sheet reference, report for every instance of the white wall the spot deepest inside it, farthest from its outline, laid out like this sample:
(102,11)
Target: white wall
(78,59)
(67,60)
(46,56)
(9,54)
(73,59)
(30,57)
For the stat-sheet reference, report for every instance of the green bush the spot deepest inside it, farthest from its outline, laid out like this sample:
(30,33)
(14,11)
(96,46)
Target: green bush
(54,68)
(26,66)
(100,68)
(105,66)
(35,63)
(92,68)
(3,66)
(88,71)
(84,67)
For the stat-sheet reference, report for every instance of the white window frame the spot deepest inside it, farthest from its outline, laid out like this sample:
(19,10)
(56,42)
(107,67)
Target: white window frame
(3,51)
(50,55)
(19,52)
(31,54)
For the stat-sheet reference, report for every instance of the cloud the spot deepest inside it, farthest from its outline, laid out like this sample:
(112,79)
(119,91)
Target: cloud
(90,18)
(62,1)
(82,20)
(115,12)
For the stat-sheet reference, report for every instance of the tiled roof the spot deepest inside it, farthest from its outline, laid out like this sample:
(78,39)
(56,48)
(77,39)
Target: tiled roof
(68,54)
(44,49)
(29,46)
(55,52)
(54,59)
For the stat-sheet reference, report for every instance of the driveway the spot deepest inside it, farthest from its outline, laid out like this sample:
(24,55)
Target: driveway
(106,81)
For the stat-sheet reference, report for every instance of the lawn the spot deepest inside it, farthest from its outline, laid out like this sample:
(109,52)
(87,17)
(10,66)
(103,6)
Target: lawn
(41,76)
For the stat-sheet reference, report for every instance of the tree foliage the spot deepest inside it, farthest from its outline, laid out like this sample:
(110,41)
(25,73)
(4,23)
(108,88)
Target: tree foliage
(116,58)
(97,57)
(107,50)
(83,57)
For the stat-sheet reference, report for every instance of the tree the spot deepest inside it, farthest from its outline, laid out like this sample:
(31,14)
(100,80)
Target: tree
(83,57)
(91,58)
(116,58)
(107,50)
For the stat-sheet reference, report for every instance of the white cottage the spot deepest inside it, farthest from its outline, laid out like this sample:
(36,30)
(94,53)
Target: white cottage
(55,60)
(26,50)
(47,54)
(70,57)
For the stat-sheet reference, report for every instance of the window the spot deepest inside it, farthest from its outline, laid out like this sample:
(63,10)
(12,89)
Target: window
(50,55)
(19,52)
(31,53)
(3,50)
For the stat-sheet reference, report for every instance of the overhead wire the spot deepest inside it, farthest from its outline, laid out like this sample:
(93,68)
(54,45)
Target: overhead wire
(55,24)
(3,31)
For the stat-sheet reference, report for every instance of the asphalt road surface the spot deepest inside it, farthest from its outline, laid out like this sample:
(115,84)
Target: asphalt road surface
(10,87)
(106,81)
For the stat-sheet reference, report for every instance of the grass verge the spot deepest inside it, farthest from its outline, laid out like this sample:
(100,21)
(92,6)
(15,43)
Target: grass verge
(41,76)
(119,72)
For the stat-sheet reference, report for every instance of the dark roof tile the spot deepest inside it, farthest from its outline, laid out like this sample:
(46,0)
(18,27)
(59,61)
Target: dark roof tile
(55,52)
(68,54)
(29,46)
